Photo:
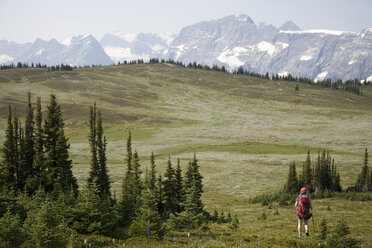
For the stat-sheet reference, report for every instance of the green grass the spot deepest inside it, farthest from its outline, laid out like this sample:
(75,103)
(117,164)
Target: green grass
(244,131)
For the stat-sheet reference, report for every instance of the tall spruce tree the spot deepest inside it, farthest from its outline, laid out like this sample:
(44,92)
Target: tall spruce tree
(8,156)
(94,167)
(170,190)
(29,149)
(152,176)
(292,185)
(362,180)
(39,160)
(103,178)
(307,173)
(148,223)
(160,195)
(98,168)
(137,182)
(58,165)
(180,191)
(128,199)
(193,179)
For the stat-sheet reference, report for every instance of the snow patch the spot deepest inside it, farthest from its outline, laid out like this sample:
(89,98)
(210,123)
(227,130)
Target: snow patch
(241,18)
(66,41)
(264,46)
(230,57)
(157,48)
(40,51)
(321,76)
(119,54)
(5,58)
(306,58)
(283,74)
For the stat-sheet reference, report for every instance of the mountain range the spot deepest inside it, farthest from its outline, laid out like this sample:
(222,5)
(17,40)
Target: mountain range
(232,41)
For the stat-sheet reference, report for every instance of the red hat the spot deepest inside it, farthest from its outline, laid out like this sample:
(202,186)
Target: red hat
(303,190)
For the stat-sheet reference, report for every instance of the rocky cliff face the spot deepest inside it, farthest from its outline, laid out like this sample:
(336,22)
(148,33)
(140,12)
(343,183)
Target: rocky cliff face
(236,41)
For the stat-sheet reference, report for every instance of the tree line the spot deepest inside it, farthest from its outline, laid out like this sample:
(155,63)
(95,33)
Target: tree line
(41,204)
(323,176)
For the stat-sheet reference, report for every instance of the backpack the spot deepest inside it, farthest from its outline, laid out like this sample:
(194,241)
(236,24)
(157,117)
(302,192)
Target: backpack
(303,207)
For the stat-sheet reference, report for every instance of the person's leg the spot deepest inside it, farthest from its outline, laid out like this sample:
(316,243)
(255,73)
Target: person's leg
(299,227)
(306,227)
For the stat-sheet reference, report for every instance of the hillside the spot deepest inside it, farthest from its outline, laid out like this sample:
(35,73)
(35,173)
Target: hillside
(244,130)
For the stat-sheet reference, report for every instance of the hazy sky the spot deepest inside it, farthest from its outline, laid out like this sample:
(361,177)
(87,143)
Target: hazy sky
(25,20)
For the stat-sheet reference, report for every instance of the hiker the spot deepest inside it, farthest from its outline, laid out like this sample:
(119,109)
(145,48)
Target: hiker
(303,206)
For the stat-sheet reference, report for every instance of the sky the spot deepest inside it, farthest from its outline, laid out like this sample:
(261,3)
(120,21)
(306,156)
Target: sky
(25,20)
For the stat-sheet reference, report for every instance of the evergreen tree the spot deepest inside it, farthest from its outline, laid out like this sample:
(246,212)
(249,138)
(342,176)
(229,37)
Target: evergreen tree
(148,223)
(191,218)
(16,151)
(11,231)
(180,192)
(152,177)
(128,199)
(94,167)
(66,181)
(336,180)
(46,226)
(170,194)
(160,195)
(323,229)
(94,213)
(193,178)
(57,164)
(306,173)
(339,237)
(103,178)
(39,160)
(292,185)
(97,142)
(8,152)
(362,181)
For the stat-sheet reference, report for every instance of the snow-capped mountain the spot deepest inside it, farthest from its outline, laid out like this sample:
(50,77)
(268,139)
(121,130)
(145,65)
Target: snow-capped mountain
(232,41)
(141,46)
(82,50)
(236,41)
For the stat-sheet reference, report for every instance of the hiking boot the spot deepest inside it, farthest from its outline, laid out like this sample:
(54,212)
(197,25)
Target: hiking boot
(307,234)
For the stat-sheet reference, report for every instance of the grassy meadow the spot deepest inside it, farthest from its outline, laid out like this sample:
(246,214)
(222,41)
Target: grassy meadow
(245,131)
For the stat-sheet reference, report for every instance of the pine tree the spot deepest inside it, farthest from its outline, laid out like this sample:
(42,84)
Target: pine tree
(94,167)
(152,177)
(292,185)
(128,199)
(362,181)
(103,178)
(8,152)
(193,178)
(317,175)
(39,160)
(170,190)
(11,231)
(17,130)
(180,191)
(94,213)
(57,163)
(306,173)
(148,223)
(160,195)
(29,149)
(97,142)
